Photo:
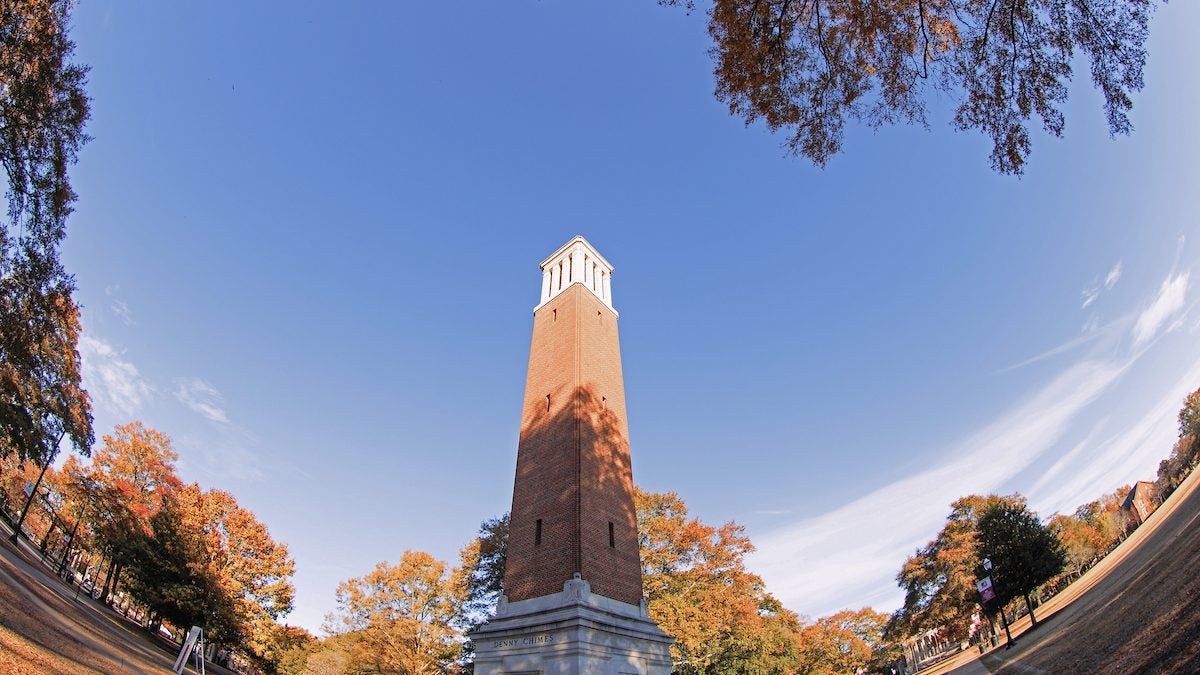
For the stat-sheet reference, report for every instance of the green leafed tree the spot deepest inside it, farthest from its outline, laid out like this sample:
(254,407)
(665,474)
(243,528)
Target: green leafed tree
(939,579)
(1189,416)
(167,572)
(482,565)
(1178,465)
(1024,552)
(694,575)
(806,68)
(43,109)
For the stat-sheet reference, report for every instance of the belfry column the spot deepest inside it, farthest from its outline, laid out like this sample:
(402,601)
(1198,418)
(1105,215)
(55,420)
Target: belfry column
(573,585)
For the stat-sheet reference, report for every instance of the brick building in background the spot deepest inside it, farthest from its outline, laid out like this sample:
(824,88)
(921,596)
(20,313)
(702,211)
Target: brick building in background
(573,584)
(1140,503)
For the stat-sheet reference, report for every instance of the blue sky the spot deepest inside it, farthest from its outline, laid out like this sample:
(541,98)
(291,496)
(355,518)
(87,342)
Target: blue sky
(307,246)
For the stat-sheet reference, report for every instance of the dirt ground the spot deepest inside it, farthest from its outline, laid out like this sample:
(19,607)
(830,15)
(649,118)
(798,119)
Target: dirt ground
(45,629)
(1138,611)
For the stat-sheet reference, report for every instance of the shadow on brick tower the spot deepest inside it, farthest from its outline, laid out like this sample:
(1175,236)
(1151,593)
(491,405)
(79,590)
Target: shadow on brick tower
(573,589)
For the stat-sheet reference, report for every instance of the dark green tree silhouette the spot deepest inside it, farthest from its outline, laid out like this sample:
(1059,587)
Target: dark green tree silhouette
(483,564)
(1025,553)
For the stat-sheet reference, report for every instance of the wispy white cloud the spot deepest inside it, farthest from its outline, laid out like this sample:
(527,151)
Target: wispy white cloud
(202,398)
(113,381)
(224,450)
(1092,334)
(229,454)
(121,309)
(1170,299)
(1114,275)
(118,306)
(1133,452)
(1069,459)
(1093,290)
(850,555)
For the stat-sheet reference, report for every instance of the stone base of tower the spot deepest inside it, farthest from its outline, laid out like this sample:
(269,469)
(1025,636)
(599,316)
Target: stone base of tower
(574,632)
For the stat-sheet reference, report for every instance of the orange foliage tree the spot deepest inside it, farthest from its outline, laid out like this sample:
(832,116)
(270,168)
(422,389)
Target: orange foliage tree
(848,641)
(939,579)
(1185,454)
(694,574)
(1082,541)
(807,67)
(399,618)
(135,474)
(252,570)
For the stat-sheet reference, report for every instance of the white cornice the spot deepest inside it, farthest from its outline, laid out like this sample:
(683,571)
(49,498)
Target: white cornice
(577,239)
(576,262)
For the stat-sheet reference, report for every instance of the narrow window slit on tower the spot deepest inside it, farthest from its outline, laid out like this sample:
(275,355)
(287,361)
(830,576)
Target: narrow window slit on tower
(604,403)
(547,402)
(537,533)
(612,536)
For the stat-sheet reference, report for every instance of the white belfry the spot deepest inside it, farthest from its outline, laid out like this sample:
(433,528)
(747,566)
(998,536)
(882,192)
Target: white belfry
(577,262)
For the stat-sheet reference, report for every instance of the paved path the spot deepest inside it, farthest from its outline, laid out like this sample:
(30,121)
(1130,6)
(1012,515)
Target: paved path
(1138,610)
(46,627)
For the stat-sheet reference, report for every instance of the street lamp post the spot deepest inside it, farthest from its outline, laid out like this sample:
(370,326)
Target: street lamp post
(53,453)
(987,569)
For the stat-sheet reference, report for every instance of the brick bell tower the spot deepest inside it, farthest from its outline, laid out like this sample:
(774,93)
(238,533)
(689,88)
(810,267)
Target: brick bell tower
(573,582)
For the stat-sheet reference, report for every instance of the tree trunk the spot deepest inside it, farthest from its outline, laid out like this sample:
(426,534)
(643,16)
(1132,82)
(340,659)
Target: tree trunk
(1029,606)
(46,538)
(107,580)
(1007,633)
(116,579)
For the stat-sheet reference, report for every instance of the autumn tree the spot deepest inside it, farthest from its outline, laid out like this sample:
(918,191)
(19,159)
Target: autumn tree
(168,573)
(939,579)
(295,645)
(253,571)
(848,641)
(1186,452)
(1177,465)
(332,655)
(700,593)
(1189,416)
(43,108)
(135,475)
(399,617)
(1081,541)
(721,616)
(1105,516)
(805,68)
(1025,553)
(206,561)
(1091,530)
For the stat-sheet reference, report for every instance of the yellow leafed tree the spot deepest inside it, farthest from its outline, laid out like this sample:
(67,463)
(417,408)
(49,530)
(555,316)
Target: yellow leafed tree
(398,618)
